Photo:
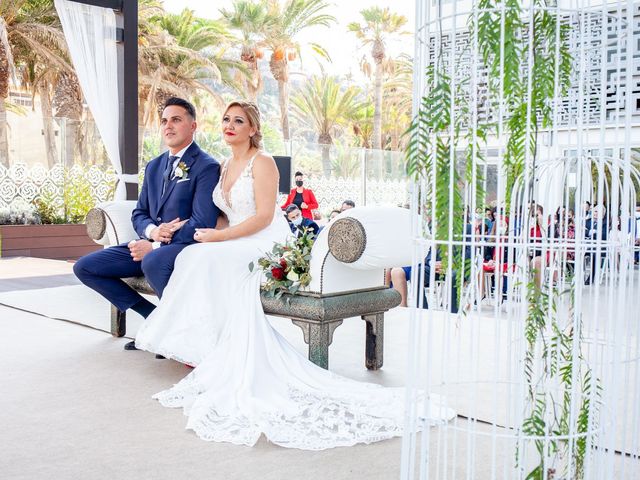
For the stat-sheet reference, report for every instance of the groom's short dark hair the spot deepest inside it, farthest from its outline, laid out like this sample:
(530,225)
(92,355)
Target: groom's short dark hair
(181,102)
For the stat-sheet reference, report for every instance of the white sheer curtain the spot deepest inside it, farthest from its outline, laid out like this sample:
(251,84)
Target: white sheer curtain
(91,36)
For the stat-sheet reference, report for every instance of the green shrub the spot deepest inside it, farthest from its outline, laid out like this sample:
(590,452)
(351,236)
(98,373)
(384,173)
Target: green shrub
(77,200)
(47,209)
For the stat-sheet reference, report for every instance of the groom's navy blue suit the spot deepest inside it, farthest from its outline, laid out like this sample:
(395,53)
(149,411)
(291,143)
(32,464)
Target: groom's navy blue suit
(186,198)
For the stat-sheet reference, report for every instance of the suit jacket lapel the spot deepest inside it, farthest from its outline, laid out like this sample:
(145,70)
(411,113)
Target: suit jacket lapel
(155,196)
(188,158)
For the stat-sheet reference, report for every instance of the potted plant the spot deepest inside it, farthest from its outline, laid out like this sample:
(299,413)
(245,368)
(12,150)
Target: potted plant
(52,227)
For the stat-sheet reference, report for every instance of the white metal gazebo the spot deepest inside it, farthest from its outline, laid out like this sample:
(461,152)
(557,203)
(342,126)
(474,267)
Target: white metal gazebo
(527,327)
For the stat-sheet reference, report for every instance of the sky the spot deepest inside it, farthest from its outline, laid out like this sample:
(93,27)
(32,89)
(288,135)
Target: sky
(343,47)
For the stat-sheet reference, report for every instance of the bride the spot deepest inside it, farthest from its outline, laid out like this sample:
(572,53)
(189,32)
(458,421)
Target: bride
(249,380)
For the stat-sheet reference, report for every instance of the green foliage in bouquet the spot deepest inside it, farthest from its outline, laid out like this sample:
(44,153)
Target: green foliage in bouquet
(287,265)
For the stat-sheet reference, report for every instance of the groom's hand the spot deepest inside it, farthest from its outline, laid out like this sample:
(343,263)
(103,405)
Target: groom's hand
(164,232)
(139,249)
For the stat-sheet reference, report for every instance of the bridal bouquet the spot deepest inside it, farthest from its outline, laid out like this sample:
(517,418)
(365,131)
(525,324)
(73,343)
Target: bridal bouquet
(287,265)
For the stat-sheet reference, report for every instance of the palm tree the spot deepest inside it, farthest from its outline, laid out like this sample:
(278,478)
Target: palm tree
(41,75)
(67,102)
(397,94)
(284,23)
(30,37)
(363,125)
(378,24)
(182,55)
(325,108)
(249,18)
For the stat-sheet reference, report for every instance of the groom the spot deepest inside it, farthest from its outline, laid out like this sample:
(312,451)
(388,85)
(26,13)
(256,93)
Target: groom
(175,200)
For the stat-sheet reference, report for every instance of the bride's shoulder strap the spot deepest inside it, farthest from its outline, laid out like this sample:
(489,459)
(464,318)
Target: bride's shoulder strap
(255,155)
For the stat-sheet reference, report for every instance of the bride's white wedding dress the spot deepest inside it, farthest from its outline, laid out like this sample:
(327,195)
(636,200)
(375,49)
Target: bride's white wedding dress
(249,380)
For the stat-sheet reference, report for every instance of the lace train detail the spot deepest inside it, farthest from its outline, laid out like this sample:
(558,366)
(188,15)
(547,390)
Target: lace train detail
(312,420)
(178,395)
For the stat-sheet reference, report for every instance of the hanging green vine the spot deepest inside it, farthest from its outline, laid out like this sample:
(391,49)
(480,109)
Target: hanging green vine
(550,362)
(528,67)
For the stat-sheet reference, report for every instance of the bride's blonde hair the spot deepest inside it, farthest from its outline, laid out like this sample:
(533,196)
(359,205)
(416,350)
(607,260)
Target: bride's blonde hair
(253,115)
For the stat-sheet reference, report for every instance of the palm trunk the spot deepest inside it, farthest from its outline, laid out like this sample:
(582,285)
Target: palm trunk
(142,127)
(253,82)
(70,141)
(4,140)
(47,124)
(4,94)
(252,94)
(283,96)
(377,110)
(325,142)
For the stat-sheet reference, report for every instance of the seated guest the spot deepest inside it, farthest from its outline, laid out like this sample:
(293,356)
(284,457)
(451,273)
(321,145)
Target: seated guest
(489,219)
(304,198)
(347,204)
(334,214)
(399,276)
(596,230)
(500,256)
(537,235)
(298,223)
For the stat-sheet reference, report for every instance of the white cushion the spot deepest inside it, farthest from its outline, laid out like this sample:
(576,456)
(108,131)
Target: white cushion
(388,232)
(388,244)
(119,228)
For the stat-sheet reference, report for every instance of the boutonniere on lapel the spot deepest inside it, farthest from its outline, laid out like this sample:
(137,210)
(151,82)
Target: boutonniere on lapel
(181,171)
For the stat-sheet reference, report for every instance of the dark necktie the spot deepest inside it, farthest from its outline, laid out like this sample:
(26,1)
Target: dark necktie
(166,176)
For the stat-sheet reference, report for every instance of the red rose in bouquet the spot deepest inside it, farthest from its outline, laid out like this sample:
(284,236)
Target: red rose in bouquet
(277,273)
(283,263)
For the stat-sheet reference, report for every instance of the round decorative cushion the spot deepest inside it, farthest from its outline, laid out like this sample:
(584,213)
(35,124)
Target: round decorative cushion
(347,239)
(96,223)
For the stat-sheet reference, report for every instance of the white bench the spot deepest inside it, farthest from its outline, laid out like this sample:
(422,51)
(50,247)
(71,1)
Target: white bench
(347,267)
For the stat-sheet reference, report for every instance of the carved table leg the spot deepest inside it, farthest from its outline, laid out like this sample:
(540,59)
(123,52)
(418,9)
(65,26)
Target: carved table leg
(318,336)
(118,322)
(374,341)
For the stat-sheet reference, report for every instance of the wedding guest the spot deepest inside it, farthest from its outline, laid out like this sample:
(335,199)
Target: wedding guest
(400,276)
(334,213)
(489,218)
(298,223)
(537,234)
(303,197)
(596,230)
(500,254)
(347,204)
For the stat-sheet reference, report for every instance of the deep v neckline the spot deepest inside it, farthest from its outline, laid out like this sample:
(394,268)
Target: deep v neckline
(227,195)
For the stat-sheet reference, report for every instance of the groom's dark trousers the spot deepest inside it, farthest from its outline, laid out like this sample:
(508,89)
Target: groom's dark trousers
(189,197)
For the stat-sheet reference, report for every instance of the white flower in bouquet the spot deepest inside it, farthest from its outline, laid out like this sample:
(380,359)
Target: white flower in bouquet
(293,276)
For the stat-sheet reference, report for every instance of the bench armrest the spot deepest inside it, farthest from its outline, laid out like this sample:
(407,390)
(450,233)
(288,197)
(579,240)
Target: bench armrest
(372,237)
(109,223)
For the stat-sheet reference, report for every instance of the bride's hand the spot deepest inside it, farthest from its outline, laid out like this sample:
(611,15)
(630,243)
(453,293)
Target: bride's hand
(208,235)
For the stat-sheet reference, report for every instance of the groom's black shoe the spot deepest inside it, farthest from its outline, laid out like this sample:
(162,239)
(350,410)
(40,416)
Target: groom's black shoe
(160,357)
(130,346)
